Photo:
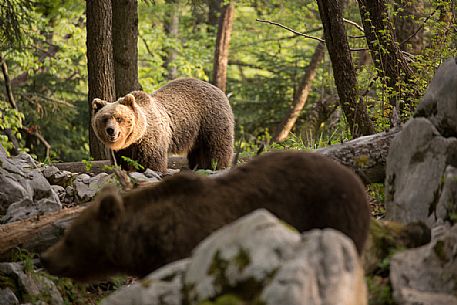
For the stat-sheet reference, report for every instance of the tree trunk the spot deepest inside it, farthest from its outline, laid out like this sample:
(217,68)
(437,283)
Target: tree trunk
(387,56)
(222,46)
(125,46)
(99,63)
(214,9)
(301,96)
(35,235)
(172,30)
(324,110)
(343,69)
(10,97)
(409,32)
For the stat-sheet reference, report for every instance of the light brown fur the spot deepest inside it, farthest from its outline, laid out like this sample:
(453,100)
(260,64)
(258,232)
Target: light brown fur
(185,116)
(139,231)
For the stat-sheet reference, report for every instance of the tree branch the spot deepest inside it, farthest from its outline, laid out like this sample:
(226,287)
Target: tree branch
(420,27)
(290,30)
(358,26)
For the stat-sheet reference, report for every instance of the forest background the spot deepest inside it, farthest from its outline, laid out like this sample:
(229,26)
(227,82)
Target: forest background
(276,60)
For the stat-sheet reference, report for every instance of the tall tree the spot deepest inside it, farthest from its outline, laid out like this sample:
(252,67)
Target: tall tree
(214,9)
(410,34)
(221,53)
(385,51)
(99,63)
(172,31)
(301,95)
(125,45)
(343,69)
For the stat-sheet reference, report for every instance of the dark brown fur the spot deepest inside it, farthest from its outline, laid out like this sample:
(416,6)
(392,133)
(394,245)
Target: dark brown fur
(146,228)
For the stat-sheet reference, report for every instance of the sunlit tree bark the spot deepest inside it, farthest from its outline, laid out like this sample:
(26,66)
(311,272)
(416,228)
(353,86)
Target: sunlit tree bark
(343,69)
(99,62)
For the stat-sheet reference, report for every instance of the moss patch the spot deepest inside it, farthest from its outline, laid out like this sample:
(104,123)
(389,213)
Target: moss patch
(379,291)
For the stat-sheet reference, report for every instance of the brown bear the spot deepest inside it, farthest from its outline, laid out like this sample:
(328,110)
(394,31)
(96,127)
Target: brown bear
(141,230)
(185,116)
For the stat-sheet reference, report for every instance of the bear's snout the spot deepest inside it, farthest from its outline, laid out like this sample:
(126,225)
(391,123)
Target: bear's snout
(110,131)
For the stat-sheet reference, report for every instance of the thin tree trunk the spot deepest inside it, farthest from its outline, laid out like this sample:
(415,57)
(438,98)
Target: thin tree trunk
(222,46)
(343,69)
(409,32)
(9,91)
(323,111)
(9,95)
(172,30)
(125,45)
(214,9)
(301,96)
(100,63)
(386,54)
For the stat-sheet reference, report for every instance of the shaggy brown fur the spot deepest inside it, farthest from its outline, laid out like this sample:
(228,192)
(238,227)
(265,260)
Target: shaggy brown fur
(185,116)
(139,231)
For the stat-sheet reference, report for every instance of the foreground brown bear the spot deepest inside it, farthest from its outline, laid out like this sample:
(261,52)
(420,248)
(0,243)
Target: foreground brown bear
(139,231)
(185,116)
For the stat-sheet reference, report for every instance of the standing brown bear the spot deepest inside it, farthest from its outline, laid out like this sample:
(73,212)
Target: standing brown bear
(185,116)
(139,231)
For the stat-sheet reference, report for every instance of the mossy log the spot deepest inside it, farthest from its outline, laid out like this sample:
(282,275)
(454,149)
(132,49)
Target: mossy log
(365,155)
(388,237)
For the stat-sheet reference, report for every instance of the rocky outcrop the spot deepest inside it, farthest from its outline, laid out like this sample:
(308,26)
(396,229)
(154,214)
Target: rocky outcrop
(27,285)
(257,258)
(415,170)
(421,185)
(29,189)
(427,275)
(439,103)
(24,192)
(421,156)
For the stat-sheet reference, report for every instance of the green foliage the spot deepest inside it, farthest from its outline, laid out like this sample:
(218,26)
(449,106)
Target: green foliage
(88,164)
(25,257)
(379,291)
(133,163)
(43,44)
(10,119)
(376,193)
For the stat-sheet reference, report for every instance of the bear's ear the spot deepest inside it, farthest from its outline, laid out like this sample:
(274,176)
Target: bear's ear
(111,206)
(128,100)
(98,104)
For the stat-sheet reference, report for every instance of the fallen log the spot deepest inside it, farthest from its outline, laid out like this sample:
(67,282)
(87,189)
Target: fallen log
(365,155)
(103,166)
(36,234)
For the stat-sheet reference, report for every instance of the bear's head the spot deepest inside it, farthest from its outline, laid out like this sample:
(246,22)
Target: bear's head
(118,124)
(86,250)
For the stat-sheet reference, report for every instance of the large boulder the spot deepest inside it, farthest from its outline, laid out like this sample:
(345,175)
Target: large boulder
(257,259)
(439,103)
(24,192)
(427,275)
(162,287)
(416,165)
(27,286)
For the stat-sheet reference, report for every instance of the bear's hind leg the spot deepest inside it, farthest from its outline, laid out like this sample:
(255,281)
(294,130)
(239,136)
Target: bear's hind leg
(197,157)
(211,153)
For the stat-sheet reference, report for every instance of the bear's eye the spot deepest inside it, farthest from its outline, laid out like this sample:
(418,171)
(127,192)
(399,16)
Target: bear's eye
(105,120)
(119,120)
